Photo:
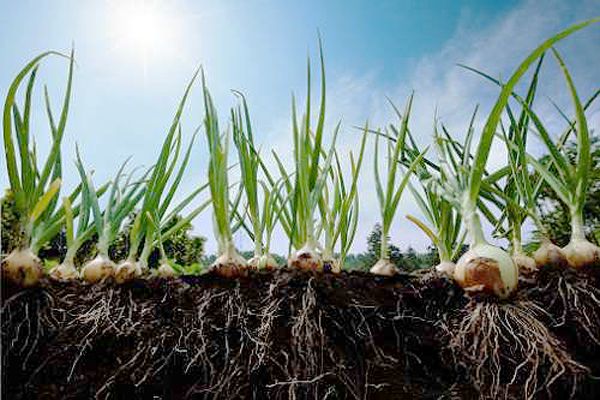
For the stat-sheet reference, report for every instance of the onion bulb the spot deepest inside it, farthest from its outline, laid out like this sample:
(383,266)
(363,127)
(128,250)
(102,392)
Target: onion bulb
(581,253)
(446,268)
(525,264)
(65,271)
(127,271)
(307,259)
(98,269)
(165,271)
(266,262)
(549,254)
(332,265)
(487,269)
(22,267)
(384,267)
(230,265)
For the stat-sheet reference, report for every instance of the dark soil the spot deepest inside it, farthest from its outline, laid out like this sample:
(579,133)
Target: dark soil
(280,335)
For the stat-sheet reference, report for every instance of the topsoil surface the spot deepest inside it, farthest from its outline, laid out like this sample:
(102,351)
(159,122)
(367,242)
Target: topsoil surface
(273,335)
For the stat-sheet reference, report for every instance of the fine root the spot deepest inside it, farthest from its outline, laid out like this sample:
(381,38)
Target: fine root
(26,320)
(308,344)
(574,301)
(508,352)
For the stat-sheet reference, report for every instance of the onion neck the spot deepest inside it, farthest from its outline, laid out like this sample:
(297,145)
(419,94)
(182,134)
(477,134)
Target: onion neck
(258,235)
(258,248)
(103,242)
(517,246)
(146,252)
(229,250)
(474,227)
(577,230)
(443,255)
(384,252)
(327,253)
(311,243)
(71,253)
(27,236)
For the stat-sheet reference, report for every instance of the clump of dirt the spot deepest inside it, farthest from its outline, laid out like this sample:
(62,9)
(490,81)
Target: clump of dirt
(283,334)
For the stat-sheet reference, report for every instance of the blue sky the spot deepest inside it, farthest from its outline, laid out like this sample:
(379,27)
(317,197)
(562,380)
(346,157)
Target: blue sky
(126,86)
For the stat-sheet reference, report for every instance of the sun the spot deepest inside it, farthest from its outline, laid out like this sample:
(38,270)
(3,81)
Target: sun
(143,28)
(144,31)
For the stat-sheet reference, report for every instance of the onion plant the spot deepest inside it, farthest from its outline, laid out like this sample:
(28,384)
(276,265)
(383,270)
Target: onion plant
(524,186)
(35,187)
(570,180)
(521,187)
(518,185)
(520,190)
(108,222)
(164,230)
(339,210)
(263,215)
(488,259)
(312,165)
(161,187)
(389,195)
(229,262)
(486,267)
(79,228)
(168,268)
(443,224)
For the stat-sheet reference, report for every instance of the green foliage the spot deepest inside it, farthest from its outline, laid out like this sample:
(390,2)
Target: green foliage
(160,189)
(34,185)
(312,162)
(556,214)
(218,177)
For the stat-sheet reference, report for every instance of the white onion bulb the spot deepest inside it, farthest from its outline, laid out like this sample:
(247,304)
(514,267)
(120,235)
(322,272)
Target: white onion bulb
(307,259)
(488,269)
(65,271)
(384,267)
(581,253)
(23,268)
(98,269)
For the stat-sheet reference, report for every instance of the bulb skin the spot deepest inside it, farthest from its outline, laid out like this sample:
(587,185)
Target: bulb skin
(526,264)
(265,262)
(98,269)
(332,265)
(23,268)
(384,267)
(446,268)
(230,266)
(487,269)
(165,271)
(306,259)
(581,253)
(550,254)
(65,271)
(127,271)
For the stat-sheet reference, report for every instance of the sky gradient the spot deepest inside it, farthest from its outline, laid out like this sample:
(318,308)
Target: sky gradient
(124,96)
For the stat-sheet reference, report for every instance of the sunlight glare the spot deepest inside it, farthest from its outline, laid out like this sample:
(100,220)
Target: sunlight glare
(145,31)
